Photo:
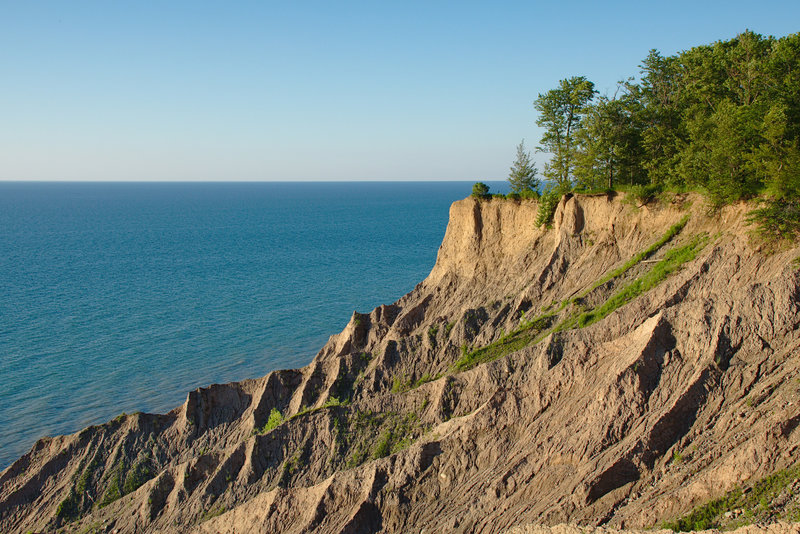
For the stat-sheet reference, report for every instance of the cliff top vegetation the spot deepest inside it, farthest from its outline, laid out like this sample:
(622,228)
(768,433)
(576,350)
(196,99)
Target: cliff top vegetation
(722,119)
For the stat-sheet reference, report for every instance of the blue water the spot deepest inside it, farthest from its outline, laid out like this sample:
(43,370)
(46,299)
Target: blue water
(123,297)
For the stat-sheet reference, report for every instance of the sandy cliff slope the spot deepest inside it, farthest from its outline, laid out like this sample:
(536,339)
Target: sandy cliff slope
(617,369)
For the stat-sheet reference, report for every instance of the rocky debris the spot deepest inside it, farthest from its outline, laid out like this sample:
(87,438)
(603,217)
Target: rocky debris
(528,380)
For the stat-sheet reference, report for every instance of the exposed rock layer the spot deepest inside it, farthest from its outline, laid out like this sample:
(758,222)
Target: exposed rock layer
(581,425)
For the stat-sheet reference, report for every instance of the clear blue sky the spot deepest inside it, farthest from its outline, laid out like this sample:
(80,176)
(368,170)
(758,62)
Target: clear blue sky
(316,90)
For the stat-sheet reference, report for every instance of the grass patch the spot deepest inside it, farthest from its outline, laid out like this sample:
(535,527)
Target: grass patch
(515,340)
(673,230)
(548,203)
(114,489)
(303,410)
(377,435)
(401,383)
(432,331)
(275,419)
(672,261)
(139,473)
(449,326)
(530,333)
(69,508)
(396,437)
(214,512)
(757,504)
(334,401)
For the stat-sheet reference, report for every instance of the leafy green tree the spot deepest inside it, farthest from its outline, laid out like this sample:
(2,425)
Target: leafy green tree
(718,157)
(560,113)
(480,190)
(722,118)
(522,177)
(610,144)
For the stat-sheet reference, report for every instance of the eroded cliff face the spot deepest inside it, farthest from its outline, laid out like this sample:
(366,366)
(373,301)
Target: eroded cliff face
(513,386)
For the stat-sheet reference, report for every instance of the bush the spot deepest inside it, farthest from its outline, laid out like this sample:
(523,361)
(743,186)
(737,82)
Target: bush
(547,208)
(480,190)
(777,218)
(644,193)
(275,419)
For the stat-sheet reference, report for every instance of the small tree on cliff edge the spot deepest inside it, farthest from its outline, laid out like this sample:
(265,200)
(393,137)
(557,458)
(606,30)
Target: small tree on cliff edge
(480,190)
(522,177)
(560,113)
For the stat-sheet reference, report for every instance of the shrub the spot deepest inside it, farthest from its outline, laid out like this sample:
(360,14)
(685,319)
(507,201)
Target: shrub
(778,218)
(547,208)
(480,190)
(275,419)
(644,193)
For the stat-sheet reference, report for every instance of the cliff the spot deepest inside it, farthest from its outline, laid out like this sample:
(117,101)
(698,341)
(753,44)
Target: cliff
(617,369)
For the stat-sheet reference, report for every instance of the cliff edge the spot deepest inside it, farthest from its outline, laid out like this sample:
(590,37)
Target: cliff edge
(618,369)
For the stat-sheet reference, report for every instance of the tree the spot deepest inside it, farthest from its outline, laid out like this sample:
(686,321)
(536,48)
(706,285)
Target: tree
(561,111)
(480,190)
(610,144)
(522,177)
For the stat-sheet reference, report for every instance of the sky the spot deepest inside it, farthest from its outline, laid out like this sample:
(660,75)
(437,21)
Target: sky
(307,90)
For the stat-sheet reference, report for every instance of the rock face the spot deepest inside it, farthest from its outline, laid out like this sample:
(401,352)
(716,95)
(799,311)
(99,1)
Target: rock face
(514,386)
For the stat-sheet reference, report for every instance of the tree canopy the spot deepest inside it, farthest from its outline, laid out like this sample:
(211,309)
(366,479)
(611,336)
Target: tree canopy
(722,118)
(560,113)
(522,178)
(480,190)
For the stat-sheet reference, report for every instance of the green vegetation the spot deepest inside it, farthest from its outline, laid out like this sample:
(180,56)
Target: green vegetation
(401,383)
(523,336)
(674,230)
(292,464)
(127,480)
(69,508)
(114,489)
(396,437)
(84,480)
(140,472)
(531,332)
(722,119)
(449,326)
(376,435)
(432,331)
(522,177)
(303,410)
(547,208)
(561,112)
(480,190)
(334,401)
(275,419)
(672,261)
(745,506)
(214,512)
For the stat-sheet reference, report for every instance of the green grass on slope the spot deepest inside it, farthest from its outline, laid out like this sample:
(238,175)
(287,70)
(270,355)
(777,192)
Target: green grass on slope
(673,230)
(771,498)
(535,330)
(672,261)
(512,342)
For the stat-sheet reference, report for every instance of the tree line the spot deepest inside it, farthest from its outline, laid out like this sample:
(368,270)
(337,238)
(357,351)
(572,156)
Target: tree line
(722,119)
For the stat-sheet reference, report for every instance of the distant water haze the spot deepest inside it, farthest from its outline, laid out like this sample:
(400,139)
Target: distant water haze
(124,296)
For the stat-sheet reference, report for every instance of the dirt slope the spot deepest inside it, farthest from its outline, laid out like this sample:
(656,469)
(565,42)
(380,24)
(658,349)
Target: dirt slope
(537,376)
